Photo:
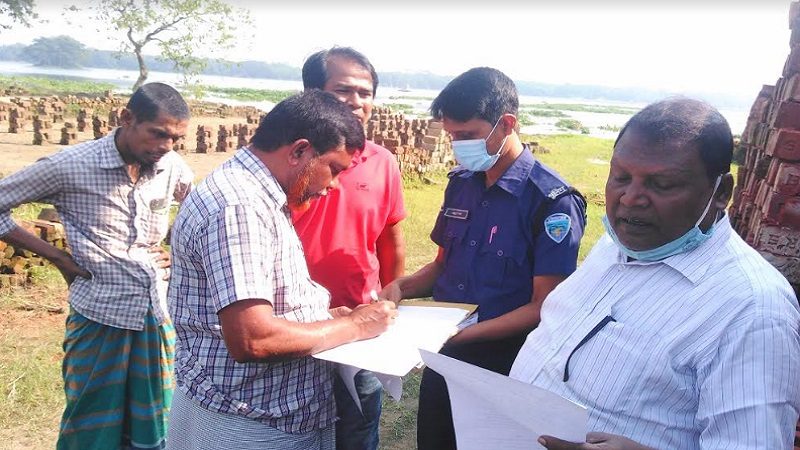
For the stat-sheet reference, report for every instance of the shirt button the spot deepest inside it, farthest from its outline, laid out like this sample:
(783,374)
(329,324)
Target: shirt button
(449,234)
(472,243)
(485,203)
(460,287)
(499,253)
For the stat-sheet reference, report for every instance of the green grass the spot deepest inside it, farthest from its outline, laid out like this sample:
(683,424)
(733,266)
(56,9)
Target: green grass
(572,124)
(545,112)
(404,108)
(44,85)
(30,367)
(602,109)
(248,94)
(525,119)
(583,162)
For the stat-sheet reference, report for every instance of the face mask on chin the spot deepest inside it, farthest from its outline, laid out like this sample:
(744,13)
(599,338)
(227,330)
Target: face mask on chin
(689,241)
(473,155)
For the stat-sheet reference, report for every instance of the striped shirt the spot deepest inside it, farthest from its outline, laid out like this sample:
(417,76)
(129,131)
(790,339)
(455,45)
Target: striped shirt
(233,240)
(697,351)
(110,223)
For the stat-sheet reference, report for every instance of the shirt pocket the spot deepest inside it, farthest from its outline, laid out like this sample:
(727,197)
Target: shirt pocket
(501,260)
(454,232)
(608,369)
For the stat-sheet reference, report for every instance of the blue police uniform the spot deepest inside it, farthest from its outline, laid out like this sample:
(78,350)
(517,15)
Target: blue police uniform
(495,240)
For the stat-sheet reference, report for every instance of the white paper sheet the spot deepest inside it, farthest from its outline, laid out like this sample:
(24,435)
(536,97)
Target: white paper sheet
(391,383)
(395,352)
(494,411)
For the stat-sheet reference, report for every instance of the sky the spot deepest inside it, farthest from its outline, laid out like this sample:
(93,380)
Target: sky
(681,45)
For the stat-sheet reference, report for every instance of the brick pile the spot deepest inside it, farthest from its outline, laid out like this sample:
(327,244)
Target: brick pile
(16,263)
(420,145)
(17,120)
(69,135)
(223,145)
(766,204)
(4,111)
(82,119)
(243,134)
(204,141)
(42,130)
(100,127)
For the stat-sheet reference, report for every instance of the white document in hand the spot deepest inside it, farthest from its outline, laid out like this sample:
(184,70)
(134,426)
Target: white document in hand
(494,411)
(396,351)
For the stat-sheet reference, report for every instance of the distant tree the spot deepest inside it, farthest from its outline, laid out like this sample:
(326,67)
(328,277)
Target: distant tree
(16,11)
(178,28)
(59,51)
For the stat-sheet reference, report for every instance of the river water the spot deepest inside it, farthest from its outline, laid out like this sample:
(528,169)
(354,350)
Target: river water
(419,99)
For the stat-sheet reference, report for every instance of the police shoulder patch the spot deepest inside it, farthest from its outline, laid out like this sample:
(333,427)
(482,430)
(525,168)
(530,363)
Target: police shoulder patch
(556,226)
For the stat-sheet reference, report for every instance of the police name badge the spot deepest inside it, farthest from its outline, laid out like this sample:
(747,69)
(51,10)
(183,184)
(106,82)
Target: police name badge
(454,213)
(557,226)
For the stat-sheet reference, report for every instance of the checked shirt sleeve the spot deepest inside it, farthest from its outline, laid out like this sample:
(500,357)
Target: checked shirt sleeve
(239,257)
(39,182)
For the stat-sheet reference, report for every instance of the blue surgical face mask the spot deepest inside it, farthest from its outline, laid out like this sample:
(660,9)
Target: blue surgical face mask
(689,241)
(473,155)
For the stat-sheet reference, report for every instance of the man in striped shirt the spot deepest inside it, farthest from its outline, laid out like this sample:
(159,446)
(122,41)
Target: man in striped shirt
(113,196)
(674,333)
(247,314)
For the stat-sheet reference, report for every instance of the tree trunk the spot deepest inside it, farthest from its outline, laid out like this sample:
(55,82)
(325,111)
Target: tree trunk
(143,72)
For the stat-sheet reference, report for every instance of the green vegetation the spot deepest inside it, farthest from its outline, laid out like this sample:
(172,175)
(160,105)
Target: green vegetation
(409,97)
(602,109)
(404,108)
(16,11)
(44,85)
(177,28)
(545,112)
(572,124)
(525,119)
(614,128)
(59,51)
(249,94)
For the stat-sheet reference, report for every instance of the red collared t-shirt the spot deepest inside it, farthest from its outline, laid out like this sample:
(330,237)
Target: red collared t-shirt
(339,231)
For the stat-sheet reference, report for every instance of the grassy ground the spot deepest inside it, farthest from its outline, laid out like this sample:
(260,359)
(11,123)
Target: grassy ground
(47,85)
(31,396)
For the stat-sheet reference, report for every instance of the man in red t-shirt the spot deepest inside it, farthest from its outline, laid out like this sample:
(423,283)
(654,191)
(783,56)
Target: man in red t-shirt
(352,237)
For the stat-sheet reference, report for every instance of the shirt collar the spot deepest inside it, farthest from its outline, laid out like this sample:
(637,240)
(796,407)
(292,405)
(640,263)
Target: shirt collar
(695,263)
(368,151)
(261,172)
(109,153)
(513,180)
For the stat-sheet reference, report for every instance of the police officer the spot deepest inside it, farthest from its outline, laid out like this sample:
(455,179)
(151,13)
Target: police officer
(508,234)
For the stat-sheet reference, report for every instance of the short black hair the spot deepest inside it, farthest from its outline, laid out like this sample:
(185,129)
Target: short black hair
(680,121)
(315,69)
(480,92)
(153,98)
(314,115)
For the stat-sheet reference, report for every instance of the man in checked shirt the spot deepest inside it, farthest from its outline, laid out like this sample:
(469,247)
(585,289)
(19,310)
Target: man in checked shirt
(113,196)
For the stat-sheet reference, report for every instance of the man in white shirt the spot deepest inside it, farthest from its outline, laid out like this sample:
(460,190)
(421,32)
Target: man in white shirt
(674,333)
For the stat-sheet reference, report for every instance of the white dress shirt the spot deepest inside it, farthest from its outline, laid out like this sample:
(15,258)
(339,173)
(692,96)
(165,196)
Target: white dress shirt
(697,351)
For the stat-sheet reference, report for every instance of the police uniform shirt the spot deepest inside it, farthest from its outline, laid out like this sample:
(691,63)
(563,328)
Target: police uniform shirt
(496,239)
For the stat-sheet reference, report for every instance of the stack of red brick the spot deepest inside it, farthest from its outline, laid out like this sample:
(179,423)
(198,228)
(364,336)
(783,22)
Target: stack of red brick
(766,205)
